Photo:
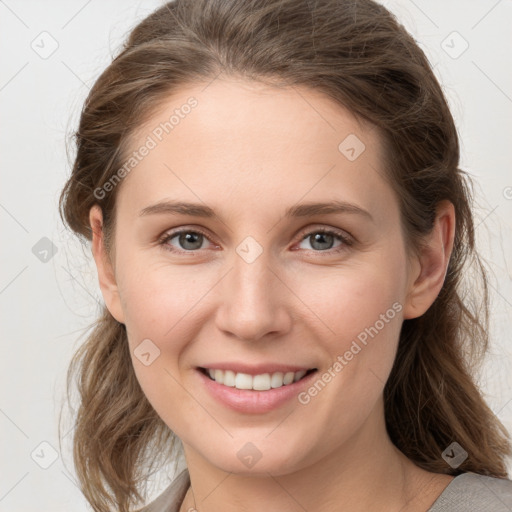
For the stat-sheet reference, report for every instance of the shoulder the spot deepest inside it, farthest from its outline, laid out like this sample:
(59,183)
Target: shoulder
(468,492)
(471,492)
(171,498)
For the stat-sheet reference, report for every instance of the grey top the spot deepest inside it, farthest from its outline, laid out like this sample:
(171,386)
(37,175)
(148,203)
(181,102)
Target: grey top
(468,492)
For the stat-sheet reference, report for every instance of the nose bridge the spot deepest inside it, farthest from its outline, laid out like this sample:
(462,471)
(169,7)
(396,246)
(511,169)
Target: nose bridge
(251,274)
(252,301)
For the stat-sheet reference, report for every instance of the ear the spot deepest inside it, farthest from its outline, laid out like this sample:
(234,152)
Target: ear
(429,269)
(106,275)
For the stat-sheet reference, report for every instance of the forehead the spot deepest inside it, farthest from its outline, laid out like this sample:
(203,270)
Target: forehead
(235,142)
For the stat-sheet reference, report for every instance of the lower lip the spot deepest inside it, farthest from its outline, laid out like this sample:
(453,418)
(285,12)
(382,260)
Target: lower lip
(251,401)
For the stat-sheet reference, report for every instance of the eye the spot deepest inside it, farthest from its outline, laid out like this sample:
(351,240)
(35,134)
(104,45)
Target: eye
(189,240)
(322,240)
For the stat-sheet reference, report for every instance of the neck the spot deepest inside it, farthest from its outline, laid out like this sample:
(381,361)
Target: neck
(367,472)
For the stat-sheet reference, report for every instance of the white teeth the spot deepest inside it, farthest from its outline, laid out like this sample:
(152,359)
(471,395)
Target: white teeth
(299,375)
(277,380)
(288,378)
(229,378)
(242,380)
(262,382)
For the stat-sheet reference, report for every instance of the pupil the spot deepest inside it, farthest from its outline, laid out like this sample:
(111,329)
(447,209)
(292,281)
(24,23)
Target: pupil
(319,237)
(189,238)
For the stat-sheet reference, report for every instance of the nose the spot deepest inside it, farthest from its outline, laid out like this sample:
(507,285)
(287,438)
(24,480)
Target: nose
(254,301)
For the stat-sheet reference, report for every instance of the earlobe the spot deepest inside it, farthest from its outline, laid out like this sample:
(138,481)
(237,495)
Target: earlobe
(106,275)
(429,275)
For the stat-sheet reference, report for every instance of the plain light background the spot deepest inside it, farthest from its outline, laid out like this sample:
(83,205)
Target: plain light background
(51,54)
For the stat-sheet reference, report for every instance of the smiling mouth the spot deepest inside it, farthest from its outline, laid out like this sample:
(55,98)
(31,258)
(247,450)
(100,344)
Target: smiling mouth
(262,382)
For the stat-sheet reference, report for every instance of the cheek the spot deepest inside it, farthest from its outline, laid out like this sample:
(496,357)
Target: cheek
(360,320)
(360,312)
(159,298)
(348,300)
(162,304)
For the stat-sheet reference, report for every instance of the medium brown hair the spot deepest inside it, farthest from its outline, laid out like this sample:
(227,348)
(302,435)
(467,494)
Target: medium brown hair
(356,53)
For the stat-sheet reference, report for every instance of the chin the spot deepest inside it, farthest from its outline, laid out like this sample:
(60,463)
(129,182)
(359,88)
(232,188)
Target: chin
(251,458)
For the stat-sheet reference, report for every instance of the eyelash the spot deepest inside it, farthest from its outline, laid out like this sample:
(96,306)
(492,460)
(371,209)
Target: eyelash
(346,241)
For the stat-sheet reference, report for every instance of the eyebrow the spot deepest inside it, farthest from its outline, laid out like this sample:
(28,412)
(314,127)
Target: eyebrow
(301,210)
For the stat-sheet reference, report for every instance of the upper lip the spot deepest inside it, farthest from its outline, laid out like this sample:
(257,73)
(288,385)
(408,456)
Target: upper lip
(258,369)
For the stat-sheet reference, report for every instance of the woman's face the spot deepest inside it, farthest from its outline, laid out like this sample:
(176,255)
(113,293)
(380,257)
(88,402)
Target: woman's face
(245,280)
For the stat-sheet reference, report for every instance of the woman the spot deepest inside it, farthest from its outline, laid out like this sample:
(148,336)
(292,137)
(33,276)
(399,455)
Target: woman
(280,227)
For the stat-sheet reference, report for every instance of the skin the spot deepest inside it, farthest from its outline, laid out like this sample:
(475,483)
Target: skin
(249,151)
